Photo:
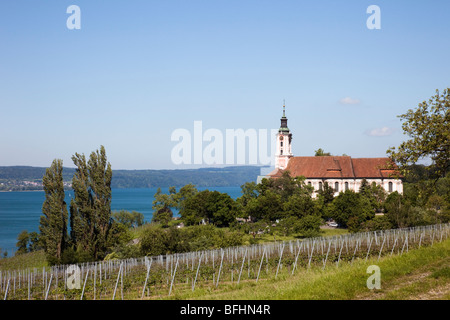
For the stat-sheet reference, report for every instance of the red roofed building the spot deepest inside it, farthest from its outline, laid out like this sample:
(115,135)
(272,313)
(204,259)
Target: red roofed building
(341,172)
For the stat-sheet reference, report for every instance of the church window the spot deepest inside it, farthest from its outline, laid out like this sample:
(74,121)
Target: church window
(390,186)
(346,186)
(320,186)
(336,187)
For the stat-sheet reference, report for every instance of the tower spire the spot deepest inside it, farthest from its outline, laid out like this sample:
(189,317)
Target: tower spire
(283,119)
(284,138)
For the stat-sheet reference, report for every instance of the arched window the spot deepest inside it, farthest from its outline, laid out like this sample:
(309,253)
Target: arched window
(309,183)
(391,186)
(346,186)
(320,186)
(336,187)
(281,151)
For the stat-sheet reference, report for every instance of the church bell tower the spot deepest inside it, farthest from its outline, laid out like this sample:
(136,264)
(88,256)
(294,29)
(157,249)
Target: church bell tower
(284,139)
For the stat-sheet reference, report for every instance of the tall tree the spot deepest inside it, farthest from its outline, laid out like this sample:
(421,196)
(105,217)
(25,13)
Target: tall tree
(429,130)
(53,222)
(90,208)
(22,242)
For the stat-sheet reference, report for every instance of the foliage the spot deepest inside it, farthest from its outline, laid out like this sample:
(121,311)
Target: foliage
(28,242)
(377,223)
(53,222)
(213,207)
(428,128)
(157,241)
(267,207)
(132,219)
(300,205)
(325,196)
(320,153)
(351,205)
(309,225)
(90,209)
(374,193)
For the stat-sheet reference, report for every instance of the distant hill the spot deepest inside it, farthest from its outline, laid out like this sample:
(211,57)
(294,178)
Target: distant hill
(29,178)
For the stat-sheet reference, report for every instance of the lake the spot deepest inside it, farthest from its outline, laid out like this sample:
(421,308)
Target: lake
(22,210)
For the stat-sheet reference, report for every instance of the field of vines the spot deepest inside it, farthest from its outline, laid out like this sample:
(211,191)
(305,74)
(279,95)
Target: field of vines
(161,276)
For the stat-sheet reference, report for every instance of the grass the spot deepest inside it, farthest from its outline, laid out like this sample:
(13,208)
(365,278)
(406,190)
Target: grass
(23,261)
(419,274)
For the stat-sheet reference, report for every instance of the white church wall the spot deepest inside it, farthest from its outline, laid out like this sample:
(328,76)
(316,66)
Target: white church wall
(355,184)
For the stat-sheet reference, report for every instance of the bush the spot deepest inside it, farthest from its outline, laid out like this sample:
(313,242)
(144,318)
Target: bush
(154,242)
(377,223)
(309,226)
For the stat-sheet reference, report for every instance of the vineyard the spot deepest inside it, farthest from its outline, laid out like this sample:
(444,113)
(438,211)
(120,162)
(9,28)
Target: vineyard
(161,276)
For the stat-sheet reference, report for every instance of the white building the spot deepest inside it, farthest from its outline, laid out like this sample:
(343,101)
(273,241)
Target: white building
(340,172)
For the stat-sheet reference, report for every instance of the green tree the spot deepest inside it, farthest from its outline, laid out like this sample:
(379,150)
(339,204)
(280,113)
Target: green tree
(374,193)
(428,127)
(132,219)
(350,204)
(90,208)
(210,206)
(185,193)
(154,242)
(309,226)
(162,206)
(289,225)
(320,153)
(325,197)
(377,223)
(287,186)
(398,210)
(267,207)
(300,205)
(326,193)
(34,243)
(22,242)
(249,191)
(53,222)
(163,216)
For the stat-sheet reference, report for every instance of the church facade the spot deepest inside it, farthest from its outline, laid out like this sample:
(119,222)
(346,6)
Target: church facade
(340,172)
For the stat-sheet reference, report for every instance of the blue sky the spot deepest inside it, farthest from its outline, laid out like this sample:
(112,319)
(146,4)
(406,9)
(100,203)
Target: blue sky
(138,70)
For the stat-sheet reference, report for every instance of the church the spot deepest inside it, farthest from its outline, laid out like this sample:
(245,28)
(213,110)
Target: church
(340,172)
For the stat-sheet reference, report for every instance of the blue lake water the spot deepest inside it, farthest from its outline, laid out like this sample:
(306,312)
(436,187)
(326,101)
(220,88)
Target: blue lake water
(21,210)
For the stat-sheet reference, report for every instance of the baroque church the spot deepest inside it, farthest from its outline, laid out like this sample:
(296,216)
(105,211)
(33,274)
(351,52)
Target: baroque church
(340,172)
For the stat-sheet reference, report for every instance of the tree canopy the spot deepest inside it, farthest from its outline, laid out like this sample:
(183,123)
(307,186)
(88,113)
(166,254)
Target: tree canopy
(428,128)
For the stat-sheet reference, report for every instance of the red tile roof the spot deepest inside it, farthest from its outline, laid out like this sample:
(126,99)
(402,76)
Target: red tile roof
(338,167)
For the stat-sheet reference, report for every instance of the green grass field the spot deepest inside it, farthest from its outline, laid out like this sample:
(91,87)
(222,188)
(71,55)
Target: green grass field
(418,274)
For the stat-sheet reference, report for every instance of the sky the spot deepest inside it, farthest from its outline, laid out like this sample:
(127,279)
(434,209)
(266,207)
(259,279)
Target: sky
(136,71)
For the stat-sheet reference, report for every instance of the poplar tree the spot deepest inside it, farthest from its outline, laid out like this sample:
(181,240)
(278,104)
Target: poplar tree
(53,222)
(90,208)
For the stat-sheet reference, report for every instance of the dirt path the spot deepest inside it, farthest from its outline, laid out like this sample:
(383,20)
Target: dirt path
(422,284)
